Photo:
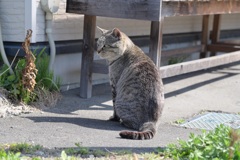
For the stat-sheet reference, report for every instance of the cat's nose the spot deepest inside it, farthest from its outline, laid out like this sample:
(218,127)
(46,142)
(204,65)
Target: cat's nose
(99,50)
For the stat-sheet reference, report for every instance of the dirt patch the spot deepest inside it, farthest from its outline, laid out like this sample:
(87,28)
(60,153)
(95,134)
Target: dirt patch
(8,108)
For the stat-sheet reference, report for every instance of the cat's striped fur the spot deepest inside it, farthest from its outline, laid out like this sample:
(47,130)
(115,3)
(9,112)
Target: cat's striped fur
(137,88)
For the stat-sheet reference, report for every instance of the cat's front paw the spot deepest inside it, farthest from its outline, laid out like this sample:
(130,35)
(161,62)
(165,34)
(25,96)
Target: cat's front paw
(114,118)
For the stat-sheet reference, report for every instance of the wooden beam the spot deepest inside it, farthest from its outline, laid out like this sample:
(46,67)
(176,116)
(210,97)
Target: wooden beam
(205,36)
(155,46)
(215,31)
(201,7)
(222,48)
(196,65)
(130,9)
(87,56)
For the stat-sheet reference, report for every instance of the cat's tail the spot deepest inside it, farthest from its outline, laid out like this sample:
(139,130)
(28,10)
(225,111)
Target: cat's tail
(147,131)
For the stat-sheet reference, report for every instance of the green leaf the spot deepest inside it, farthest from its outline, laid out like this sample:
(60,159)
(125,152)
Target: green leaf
(11,78)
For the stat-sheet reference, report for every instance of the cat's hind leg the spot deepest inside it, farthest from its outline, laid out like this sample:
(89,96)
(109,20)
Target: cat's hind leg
(114,117)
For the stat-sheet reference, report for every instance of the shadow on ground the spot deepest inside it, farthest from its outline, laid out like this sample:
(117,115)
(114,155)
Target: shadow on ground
(83,122)
(71,100)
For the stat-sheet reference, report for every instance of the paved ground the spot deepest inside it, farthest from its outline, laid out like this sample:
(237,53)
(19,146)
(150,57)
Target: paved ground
(77,120)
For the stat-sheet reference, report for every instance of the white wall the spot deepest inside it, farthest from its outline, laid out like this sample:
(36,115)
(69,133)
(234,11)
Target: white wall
(12,18)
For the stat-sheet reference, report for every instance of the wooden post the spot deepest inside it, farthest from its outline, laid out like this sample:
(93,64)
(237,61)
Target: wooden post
(87,56)
(156,41)
(215,31)
(205,36)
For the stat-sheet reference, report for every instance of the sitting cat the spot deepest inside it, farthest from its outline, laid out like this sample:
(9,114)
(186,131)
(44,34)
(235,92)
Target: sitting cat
(137,88)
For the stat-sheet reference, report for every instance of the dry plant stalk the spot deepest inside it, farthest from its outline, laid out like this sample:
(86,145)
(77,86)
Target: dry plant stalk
(30,71)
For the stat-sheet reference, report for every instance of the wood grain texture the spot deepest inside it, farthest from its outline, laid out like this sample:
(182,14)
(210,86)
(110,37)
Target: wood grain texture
(215,31)
(205,36)
(223,48)
(155,46)
(130,9)
(200,7)
(87,56)
(151,10)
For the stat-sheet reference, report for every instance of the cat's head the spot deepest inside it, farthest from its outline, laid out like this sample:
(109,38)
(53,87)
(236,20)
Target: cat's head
(112,44)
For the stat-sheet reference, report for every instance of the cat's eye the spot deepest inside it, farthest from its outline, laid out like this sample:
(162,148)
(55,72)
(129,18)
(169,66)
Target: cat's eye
(106,45)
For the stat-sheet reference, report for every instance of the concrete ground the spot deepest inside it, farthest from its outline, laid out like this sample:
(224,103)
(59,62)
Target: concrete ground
(84,121)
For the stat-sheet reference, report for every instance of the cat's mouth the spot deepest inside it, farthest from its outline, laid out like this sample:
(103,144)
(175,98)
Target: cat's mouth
(99,50)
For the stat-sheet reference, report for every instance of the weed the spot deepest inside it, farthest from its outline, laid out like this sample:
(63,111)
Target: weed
(9,155)
(99,153)
(222,144)
(180,121)
(31,78)
(45,77)
(176,59)
(78,151)
(36,158)
(24,148)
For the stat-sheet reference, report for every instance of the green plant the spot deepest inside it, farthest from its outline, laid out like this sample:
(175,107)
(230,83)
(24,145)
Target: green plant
(45,77)
(79,150)
(99,153)
(24,148)
(180,121)
(220,144)
(9,155)
(31,78)
(176,59)
(13,83)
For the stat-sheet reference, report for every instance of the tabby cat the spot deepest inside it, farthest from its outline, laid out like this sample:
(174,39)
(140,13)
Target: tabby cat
(137,89)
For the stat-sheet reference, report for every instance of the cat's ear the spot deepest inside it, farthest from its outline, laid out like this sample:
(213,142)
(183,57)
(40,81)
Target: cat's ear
(102,30)
(116,33)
